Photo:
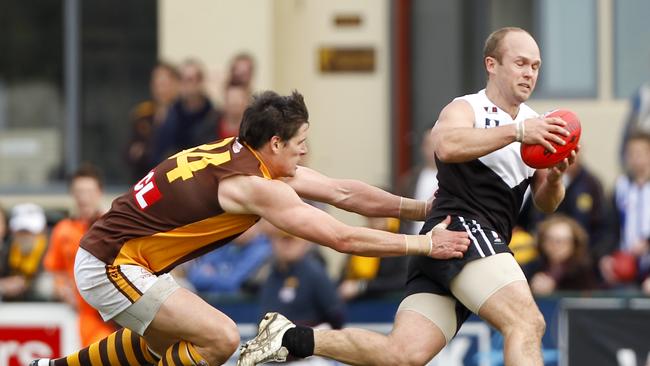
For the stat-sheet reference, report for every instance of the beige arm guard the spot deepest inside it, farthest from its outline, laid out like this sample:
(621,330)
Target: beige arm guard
(418,244)
(411,209)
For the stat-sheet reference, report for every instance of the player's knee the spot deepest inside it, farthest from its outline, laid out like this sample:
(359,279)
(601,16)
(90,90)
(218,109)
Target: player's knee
(222,340)
(228,340)
(407,356)
(538,324)
(411,359)
(417,358)
(534,322)
(531,325)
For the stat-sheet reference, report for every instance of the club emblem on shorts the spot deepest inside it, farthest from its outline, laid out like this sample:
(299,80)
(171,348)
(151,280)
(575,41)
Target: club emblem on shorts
(112,272)
(497,240)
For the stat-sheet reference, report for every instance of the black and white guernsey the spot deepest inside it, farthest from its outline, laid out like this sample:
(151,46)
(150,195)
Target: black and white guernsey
(489,189)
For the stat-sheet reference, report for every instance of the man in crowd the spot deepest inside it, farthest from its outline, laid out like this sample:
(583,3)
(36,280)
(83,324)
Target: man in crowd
(86,190)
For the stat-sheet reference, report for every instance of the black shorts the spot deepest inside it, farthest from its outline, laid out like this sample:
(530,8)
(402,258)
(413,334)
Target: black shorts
(434,275)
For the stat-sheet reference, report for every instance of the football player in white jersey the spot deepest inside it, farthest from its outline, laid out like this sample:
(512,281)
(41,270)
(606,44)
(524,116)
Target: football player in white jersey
(482,180)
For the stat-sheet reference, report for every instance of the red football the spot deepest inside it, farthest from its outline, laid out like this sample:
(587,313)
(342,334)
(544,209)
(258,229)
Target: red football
(536,156)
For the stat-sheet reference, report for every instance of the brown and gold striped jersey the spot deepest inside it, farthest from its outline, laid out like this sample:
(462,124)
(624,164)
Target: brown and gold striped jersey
(173,214)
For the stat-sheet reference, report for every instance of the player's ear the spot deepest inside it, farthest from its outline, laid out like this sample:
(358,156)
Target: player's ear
(276,143)
(490,62)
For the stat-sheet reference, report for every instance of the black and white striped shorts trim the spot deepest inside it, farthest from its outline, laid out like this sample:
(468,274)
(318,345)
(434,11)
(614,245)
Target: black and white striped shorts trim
(482,241)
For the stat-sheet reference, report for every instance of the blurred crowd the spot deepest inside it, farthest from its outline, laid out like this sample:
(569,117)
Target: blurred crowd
(181,114)
(596,241)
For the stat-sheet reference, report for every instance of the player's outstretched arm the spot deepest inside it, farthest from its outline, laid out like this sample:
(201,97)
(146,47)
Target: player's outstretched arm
(279,204)
(356,196)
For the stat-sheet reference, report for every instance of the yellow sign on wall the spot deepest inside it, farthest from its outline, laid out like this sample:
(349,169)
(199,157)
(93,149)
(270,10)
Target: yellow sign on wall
(347,59)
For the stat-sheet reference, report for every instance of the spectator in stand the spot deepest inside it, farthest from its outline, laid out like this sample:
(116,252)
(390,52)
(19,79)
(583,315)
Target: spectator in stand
(86,191)
(366,277)
(242,70)
(148,116)
(421,182)
(584,201)
(21,279)
(638,120)
(631,201)
(564,263)
(645,286)
(192,118)
(3,231)
(6,285)
(226,271)
(523,246)
(298,285)
(236,98)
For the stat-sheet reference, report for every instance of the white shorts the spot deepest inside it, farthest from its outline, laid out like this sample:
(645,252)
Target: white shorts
(128,294)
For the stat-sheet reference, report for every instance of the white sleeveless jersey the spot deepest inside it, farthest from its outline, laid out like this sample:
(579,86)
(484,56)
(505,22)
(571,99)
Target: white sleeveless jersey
(491,188)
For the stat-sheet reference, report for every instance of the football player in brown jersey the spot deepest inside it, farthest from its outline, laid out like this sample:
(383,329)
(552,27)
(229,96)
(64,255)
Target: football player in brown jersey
(200,199)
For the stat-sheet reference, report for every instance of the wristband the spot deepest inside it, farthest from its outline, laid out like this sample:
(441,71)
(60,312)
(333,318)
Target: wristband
(415,245)
(411,209)
(520,131)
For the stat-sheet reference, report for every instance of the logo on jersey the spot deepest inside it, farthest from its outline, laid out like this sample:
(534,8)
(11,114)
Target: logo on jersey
(236,147)
(146,192)
(489,122)
(491,110)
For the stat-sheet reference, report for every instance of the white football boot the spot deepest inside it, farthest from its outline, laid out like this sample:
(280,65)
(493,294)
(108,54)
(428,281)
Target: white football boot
(267,345)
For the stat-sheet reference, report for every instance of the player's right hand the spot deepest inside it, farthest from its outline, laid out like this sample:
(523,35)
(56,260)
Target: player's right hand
(544,130)
(447,244)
